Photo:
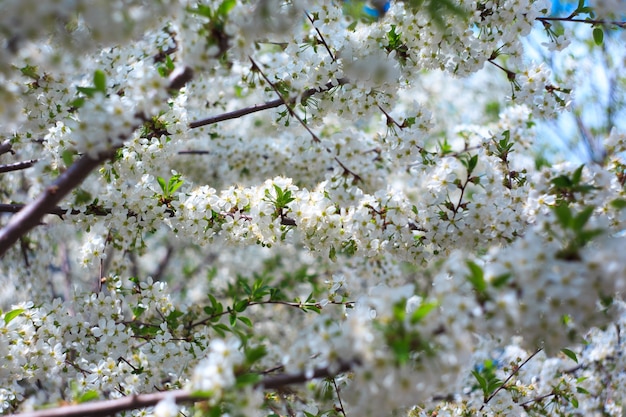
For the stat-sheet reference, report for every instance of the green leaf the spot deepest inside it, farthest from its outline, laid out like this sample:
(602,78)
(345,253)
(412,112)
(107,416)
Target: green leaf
(332,253)
(581,218)
(240,306)
(253,354)
(422,311)
(138,311)
(476,277)
(598,36)
(246,379)
(581,390)
(562,181)
(162,184)
(12,314)
(563,215)
(225,7)
(88,91)
(174,184)
(618,203)
(482,382)
(88,396)
(245,320)
(99,81)
(68,157)
(570,354)
(577,176)
(30,72)
(501,280)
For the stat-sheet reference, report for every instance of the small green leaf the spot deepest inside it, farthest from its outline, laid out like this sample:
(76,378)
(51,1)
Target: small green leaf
(598,36)
(99,81)
(581,390)
(577,176)
(253,354)
(245,320)
(581,218)
(240,306)
(422,311)
(500,280)
(570,354)
(68,157)
(332,253)
(618,203)
(12,314)
(563,215)
(162,184)
(30,72)
(477,277)
(88,396)
(138,311)
(88,91)
(247,379)
(225,7)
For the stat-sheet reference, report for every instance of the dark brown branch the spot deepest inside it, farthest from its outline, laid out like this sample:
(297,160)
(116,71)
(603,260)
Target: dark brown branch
(267,105)
(110,407)
(194,152)
(18,166)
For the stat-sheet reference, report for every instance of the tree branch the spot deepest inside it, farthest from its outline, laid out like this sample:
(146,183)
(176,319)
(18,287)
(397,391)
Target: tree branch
(132,402)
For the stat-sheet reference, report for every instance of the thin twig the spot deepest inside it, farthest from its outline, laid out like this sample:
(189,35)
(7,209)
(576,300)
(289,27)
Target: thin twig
(321,36)
(292,112)
(588,21)
(339,398)
(18,165)
(493,394)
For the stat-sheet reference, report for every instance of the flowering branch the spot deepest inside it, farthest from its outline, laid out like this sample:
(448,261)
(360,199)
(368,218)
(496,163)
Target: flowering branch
(109,407)
(31,215)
